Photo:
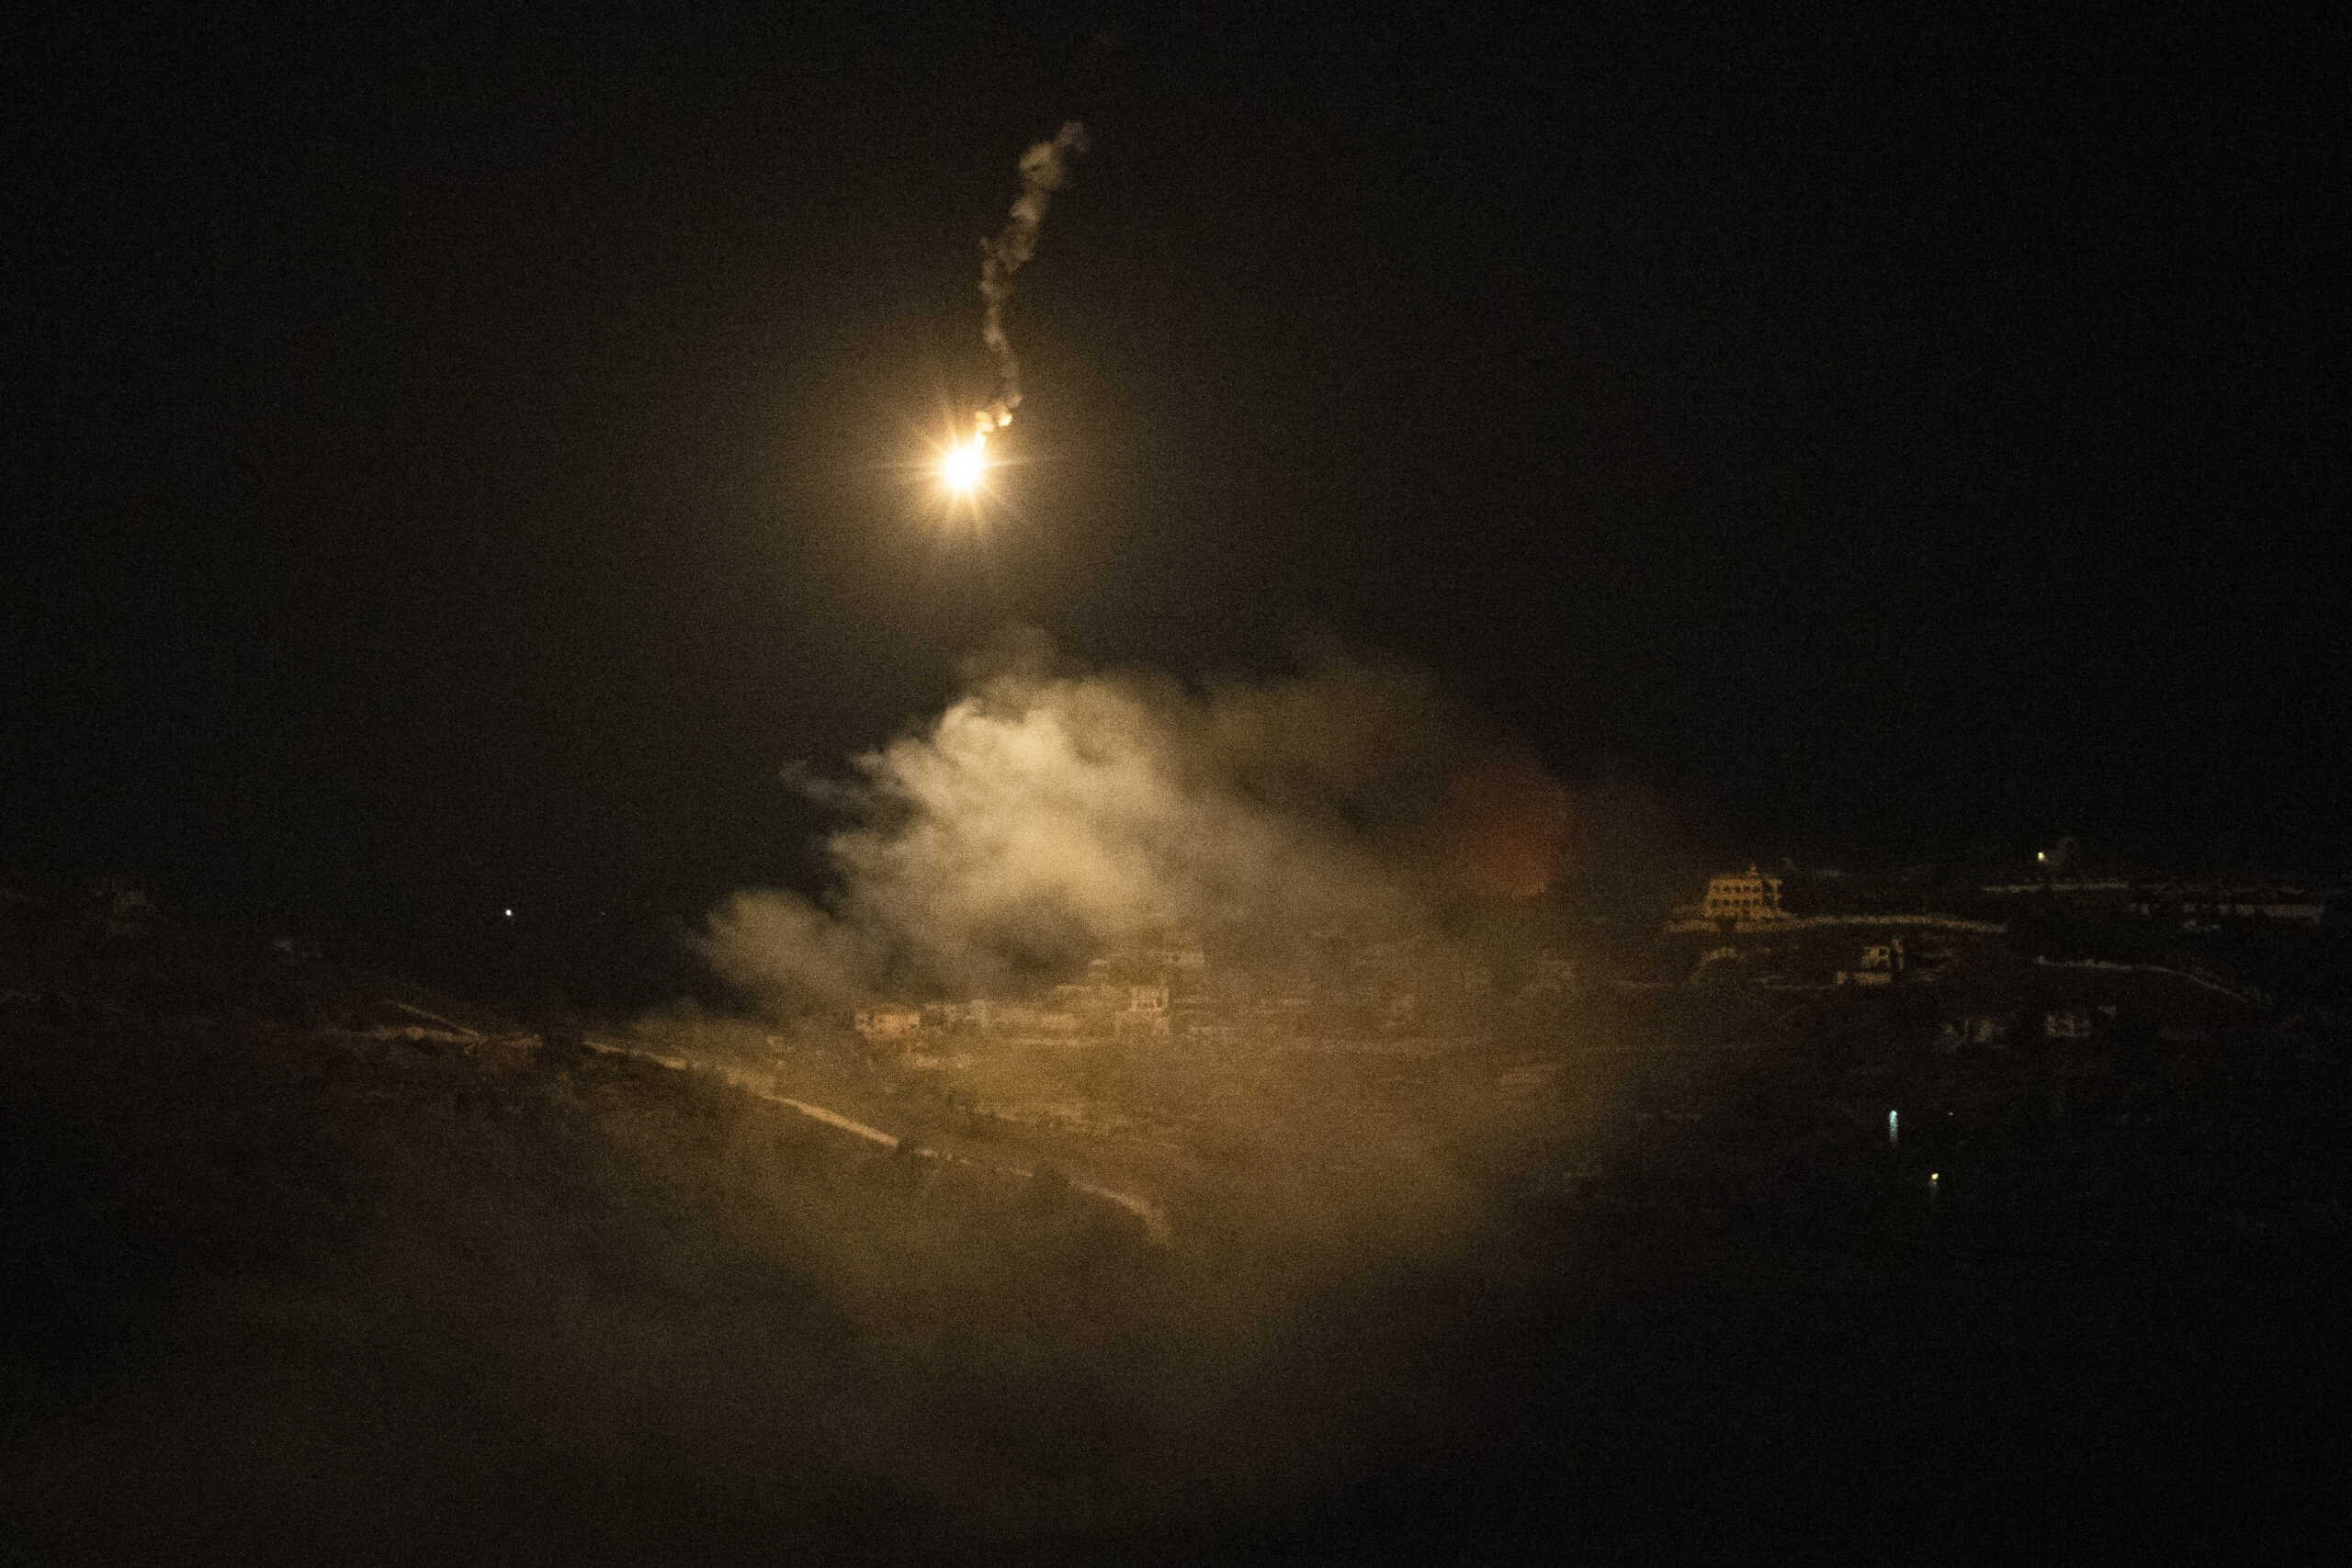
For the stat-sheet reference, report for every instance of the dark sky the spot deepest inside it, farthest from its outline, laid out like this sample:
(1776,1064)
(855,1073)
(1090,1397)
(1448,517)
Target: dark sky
(462,459)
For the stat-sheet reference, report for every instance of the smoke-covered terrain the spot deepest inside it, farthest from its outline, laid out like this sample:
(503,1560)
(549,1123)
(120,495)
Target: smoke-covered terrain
(1194,1126)
(292,1275)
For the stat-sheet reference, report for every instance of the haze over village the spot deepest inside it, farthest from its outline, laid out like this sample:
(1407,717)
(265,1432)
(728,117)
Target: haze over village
(963,787)
(1337,983)
(2096,989)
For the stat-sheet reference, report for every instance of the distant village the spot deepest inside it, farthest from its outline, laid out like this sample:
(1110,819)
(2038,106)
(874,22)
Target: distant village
(2007,962)
(1327,983)
(2052,958)
(2040,951)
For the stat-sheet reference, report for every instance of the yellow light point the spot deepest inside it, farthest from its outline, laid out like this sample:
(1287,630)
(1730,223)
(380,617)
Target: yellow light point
(962,466)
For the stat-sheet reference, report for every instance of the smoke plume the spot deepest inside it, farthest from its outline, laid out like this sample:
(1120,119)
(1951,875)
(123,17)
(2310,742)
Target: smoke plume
(1044,168)
(1044,816)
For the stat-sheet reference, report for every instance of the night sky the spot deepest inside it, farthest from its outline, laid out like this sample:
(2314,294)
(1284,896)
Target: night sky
(465,462)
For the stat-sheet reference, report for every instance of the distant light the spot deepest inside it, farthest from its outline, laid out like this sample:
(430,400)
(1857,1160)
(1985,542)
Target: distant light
(508,913)
(1893,1125)
(2041,854)
(962,466)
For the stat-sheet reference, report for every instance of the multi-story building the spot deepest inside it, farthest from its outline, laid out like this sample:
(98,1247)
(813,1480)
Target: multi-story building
(1749,895)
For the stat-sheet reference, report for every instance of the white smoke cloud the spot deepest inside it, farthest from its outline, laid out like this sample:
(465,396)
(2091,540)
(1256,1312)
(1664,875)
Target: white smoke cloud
(1047,815)
(1044,169)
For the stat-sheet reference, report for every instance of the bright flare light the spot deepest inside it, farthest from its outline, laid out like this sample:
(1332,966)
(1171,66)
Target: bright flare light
(962,466)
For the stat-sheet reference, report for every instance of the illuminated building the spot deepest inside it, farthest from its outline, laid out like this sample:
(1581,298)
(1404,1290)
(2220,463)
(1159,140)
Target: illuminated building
(1146,1012)
(1733,895)
(889,1021)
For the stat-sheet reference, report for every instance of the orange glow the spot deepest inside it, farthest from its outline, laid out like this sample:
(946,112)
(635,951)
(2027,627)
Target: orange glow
(1508,823)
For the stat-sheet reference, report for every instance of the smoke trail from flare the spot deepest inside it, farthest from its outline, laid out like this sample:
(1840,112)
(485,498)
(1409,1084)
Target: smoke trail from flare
(1044,168)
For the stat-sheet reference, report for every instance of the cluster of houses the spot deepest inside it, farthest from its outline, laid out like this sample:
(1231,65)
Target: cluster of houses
(1355,985)
(1097,1007)
(1129,995)
(1323,984)
(1985,993)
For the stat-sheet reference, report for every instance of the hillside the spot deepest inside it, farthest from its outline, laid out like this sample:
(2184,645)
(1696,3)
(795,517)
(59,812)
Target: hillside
(295,1275)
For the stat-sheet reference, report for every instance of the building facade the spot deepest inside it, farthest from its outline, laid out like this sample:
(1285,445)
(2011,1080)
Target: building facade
(1742,896)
